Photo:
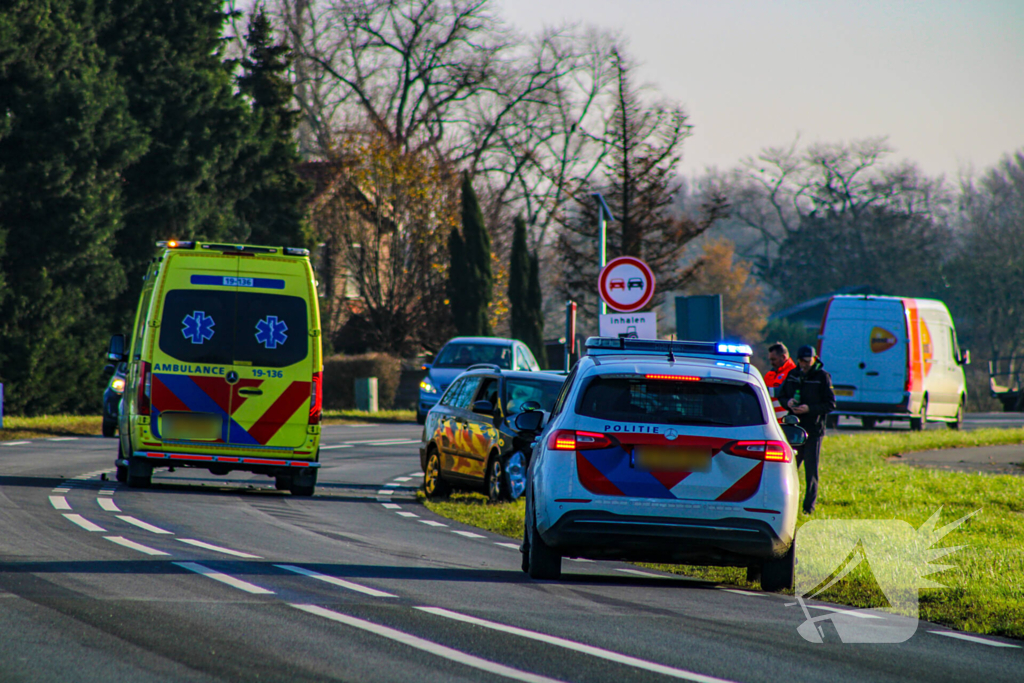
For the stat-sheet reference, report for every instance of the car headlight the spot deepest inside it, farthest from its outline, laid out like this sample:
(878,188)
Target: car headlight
(118,385)
(428,386)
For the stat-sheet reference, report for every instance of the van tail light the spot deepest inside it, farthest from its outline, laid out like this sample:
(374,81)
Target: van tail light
(315,399)
(571,440)
(145,388)
(769,451)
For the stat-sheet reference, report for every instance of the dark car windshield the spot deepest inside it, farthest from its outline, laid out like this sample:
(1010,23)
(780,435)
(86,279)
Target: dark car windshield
(221,327)
(519,391)
(636,399)
(464,355)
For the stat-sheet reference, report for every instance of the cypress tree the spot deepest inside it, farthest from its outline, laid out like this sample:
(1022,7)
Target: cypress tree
(519,282)
(534,335)
(478,279)
(458,291)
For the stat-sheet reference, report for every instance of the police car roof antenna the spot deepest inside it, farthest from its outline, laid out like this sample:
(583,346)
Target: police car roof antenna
(671,357)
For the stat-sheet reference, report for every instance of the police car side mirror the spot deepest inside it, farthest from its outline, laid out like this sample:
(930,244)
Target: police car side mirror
(483,407)
(529,421)
(795,435)
(116,351)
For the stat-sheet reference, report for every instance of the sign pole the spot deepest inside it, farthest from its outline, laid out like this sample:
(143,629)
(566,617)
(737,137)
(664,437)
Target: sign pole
(570,331)
(603,212)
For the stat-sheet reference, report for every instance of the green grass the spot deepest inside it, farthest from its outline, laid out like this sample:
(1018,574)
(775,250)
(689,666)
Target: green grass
(18,428)
(340,417)
(985,584)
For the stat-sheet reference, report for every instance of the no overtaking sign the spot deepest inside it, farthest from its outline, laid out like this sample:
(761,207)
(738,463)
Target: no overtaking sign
(626,284)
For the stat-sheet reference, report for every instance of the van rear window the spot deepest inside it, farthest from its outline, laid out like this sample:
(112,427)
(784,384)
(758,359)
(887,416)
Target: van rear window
(637,399)
(220,327)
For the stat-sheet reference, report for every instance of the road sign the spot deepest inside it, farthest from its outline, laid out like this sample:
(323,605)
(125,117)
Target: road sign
(638,325)
(626,284)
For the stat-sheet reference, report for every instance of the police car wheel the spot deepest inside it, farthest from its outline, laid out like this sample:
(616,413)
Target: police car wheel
(542,562)
(777,574)
(497,488)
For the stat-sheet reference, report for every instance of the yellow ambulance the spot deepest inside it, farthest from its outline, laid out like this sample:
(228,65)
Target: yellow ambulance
(224,365)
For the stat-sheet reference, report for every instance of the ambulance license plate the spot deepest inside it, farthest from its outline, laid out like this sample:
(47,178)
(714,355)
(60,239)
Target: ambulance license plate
(669,459)
(190,427)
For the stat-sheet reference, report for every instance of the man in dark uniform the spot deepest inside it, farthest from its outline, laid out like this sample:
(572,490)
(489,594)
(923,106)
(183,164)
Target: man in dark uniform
(808,394)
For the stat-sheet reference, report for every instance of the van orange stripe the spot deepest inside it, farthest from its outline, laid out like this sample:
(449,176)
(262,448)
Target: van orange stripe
(915,379)
(284,407)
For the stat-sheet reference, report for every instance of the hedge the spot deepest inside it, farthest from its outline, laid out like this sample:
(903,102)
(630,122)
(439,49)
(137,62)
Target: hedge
(340,373)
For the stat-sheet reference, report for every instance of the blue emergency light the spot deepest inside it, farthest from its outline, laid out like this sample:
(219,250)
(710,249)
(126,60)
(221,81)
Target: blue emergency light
(622,345)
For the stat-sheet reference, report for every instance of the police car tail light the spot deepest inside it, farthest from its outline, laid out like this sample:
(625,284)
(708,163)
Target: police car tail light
(677,378)
(769,451)
(145,388)
(571,440)
(315,399)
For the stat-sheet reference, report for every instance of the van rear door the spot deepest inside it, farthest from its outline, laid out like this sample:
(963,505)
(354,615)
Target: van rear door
(885,357)
(843,347)
(274,353)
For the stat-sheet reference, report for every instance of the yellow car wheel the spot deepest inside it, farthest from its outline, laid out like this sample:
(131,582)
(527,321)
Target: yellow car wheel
(433,485)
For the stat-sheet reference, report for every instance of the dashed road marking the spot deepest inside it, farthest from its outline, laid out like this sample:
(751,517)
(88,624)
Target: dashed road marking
(61,490)
(617,657)
(107,492)
(108,504)
(847,612)
(431,522)
(385,492)
(511,546)
(14,443)
(392,506)
(742,592)
(224,578)
(59,503)
(407,514)
(390,486)
(331,448)
(426,645)
(973,639)
(468,534)
(403,479)
(121,540)
(335,581)
(378,442)
(83,522)
(219,549)
(637,572)
(64,438)
(144,525)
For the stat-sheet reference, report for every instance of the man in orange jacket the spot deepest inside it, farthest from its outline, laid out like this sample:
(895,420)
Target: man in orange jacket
(778,356)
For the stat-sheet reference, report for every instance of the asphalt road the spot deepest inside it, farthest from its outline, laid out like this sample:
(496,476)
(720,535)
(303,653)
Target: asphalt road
(223,578)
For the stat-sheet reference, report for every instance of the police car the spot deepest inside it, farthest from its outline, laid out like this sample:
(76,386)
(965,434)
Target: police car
(664,452)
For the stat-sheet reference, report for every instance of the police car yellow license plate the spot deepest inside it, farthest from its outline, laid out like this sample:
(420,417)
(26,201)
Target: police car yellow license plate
(190,426)
(673,459)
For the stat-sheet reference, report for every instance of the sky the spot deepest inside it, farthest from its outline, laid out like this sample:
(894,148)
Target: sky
(944,80)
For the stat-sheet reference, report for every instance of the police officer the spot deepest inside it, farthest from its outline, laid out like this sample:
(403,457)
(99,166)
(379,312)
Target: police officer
(808,394)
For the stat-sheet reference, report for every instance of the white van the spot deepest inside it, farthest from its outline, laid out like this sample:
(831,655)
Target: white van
(893,359)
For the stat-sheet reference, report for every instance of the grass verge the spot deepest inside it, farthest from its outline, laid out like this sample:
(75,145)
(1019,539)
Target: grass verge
(342,417)
(985,582)
(18,428)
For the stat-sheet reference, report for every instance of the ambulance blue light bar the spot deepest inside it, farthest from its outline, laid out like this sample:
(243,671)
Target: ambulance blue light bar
(176,244)
(621,346)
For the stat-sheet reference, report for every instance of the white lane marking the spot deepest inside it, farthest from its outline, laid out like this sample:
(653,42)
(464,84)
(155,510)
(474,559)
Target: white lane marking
(468,534)
(414,474)
(512,546)
(391,486)
(108,504)
(334,580)
(973,639)
(59,503)
(431,522)
(407,514)
(742,592)
(579,559)
(393,442)
(385,492)
(61,490)
(121,540)
(847,612)
(218,549)
(377,442)
(144,525)
(402,478)
(108,492)
(392,506)
(577,647)
(427,645)
(637,572)
(66,438)
(14,443)
(224,578)
(330,448)
(83,522)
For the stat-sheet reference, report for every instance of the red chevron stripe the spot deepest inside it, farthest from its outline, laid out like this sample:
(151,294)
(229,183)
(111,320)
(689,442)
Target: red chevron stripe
(592,478)
(745,487)
(284,407)
(164,399)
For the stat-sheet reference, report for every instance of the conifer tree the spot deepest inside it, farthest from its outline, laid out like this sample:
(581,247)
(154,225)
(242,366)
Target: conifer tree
(524,294)
(470,277)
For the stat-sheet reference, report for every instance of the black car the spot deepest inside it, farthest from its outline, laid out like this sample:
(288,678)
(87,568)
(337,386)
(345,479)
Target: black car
(112,398)
(470,438)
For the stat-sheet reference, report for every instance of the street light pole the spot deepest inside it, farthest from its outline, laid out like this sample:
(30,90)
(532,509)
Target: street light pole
(602,247)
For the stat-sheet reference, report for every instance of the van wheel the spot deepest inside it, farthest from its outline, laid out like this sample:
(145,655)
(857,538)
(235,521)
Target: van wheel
(917,423)
(542,562)
(303,484)
(433,485)
(497,488)
(867,422)
(958,420)
(777,575)
(140,474)
(122,471)
(283,483)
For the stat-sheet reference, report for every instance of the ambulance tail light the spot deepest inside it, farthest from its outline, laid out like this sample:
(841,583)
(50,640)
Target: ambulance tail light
(571,440)
(315,399)
(145,388)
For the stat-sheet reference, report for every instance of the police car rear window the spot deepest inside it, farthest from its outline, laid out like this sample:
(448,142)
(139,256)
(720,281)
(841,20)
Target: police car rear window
(219,327)
(637,399)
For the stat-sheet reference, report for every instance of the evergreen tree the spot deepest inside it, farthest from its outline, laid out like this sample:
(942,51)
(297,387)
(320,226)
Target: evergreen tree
(470,277)
(272,205)
(524,295)
(64,142)
(534,336)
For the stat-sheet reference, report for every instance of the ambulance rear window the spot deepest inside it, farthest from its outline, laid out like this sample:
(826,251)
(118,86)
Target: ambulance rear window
(220,327)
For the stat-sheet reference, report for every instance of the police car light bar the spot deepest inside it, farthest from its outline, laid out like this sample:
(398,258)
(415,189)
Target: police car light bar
(621,345)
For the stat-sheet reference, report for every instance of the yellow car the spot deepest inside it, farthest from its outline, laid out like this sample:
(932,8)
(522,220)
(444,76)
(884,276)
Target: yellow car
(224,365)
